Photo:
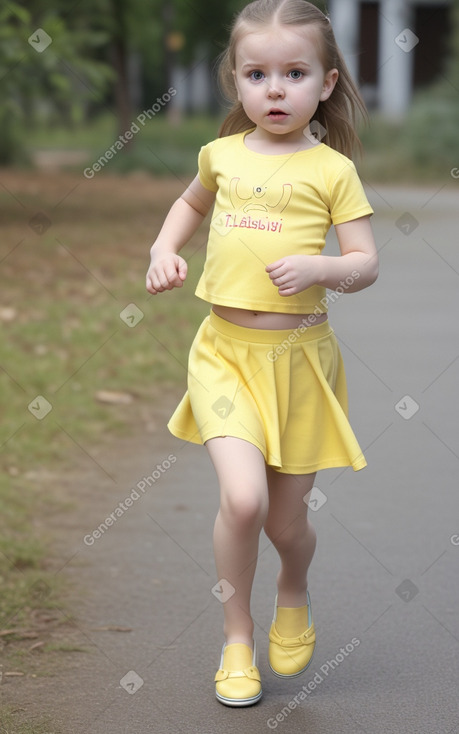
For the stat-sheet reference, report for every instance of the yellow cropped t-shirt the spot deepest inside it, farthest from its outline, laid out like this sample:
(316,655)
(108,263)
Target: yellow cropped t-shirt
(267,207)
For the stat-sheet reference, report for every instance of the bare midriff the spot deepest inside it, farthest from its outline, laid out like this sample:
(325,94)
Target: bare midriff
(267,319)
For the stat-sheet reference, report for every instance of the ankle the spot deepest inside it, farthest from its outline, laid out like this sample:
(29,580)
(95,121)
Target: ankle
(291,598)
(244,639)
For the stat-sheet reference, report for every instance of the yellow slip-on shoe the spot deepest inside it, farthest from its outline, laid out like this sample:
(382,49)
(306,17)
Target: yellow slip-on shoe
(290,656)
(238,681)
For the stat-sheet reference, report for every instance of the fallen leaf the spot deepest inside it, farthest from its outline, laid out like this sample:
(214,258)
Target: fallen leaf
(23,634)
(113,398)
(113,628)
(3,633)
(35,645)
(7,314)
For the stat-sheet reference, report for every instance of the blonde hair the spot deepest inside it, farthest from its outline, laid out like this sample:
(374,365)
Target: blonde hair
(338,114)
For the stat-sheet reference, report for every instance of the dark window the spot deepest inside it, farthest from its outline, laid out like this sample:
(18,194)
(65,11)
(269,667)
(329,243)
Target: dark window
(368,43)
(432,25)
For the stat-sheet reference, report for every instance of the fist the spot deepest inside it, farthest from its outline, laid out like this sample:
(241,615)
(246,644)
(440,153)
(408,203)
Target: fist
(294,273)
(166,272)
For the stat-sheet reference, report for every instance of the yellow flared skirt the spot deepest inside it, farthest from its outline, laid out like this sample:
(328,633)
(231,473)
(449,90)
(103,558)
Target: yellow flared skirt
(282,390)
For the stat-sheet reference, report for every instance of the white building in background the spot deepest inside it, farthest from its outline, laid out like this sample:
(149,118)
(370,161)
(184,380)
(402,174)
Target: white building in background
(392,47)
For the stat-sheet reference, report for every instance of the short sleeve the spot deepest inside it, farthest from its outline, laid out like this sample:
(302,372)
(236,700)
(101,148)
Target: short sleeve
(347,198)
(206,177)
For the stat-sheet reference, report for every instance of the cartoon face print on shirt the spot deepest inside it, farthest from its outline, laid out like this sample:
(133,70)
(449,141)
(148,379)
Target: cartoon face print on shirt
(260,198)
(254,207)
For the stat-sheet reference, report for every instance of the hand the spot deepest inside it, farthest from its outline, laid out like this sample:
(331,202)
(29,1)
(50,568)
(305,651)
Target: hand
(166,272)
(294,273)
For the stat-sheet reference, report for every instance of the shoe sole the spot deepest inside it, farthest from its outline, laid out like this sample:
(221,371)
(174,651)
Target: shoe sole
(291,675)
(239,701)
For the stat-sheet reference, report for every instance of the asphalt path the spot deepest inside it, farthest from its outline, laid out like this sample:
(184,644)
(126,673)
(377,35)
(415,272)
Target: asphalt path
(383,583)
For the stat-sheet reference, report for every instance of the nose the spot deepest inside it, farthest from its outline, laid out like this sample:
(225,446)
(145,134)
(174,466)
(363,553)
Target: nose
(275,89)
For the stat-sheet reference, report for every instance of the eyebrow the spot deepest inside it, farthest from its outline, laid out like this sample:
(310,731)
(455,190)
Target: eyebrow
(251,64)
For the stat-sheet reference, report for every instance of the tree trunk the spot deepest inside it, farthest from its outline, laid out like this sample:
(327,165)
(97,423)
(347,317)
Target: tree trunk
(120,54)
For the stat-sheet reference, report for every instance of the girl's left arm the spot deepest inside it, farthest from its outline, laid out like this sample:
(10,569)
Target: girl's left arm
(358,253)
(358,263)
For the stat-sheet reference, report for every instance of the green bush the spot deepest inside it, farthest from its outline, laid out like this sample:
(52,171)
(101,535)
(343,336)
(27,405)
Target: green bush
(430,134)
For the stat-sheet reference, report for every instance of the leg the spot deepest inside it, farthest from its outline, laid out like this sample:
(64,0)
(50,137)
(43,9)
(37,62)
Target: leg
(241,473)
(292,634)
(289,529)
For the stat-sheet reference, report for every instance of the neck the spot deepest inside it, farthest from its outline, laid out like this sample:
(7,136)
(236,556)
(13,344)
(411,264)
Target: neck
(262,141)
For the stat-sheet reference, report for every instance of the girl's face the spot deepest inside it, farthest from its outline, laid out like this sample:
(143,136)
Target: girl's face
(280,80)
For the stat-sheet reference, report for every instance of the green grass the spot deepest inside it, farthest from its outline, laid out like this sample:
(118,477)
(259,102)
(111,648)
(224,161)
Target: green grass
(66,351)
(422,147)
(159,147)
(10,723)
(65,340)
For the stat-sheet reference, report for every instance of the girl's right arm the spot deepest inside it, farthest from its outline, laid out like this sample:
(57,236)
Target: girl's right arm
(167,269)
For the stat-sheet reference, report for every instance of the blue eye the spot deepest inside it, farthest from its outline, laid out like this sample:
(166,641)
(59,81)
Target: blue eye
(257,76)
(295,74)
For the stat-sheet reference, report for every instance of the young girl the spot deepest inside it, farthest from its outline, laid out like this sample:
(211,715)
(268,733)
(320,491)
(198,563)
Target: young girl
(266,387)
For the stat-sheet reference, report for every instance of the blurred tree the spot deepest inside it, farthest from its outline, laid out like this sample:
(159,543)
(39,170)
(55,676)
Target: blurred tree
(205,24)
(45,66)
(205,27)
(133,29)
(119,37)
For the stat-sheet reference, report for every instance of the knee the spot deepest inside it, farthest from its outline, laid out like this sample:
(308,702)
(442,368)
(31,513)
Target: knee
(293,536)
(246,508)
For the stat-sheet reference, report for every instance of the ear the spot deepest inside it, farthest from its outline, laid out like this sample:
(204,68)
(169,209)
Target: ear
(331,77)
(235,84)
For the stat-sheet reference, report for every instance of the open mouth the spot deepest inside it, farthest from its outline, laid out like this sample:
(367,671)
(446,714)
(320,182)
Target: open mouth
(277,114)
